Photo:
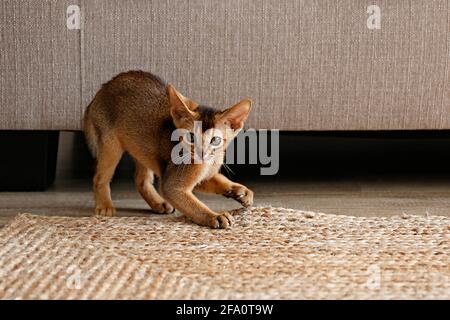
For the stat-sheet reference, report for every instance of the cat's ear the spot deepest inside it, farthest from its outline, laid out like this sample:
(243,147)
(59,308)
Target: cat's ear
(174,94)
(181,108)
(235,116)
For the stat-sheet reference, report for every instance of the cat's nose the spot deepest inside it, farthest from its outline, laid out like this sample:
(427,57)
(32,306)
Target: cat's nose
(207,155)
(198,155)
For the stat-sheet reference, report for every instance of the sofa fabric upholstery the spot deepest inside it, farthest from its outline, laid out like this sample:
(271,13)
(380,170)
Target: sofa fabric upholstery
(40,67)
(308,65)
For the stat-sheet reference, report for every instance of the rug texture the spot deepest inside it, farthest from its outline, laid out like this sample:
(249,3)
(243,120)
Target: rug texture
(269,253)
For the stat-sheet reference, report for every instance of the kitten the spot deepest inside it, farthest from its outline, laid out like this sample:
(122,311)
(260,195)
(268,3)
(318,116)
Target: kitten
(137,112)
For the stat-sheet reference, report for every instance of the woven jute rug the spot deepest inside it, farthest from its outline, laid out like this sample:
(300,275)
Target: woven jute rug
(269,253)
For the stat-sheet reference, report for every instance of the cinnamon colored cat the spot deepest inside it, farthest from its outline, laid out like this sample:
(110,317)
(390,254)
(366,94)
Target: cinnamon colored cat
(137,112)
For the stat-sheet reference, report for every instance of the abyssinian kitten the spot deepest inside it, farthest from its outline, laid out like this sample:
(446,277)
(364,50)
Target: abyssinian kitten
(137,112)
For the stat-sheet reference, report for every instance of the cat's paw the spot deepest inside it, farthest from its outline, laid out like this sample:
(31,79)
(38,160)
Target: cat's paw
(241,194)
(222,220)
(163,207)
(105,211)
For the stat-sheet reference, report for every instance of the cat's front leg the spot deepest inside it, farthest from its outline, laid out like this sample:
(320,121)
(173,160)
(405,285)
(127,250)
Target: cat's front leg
(178,191)
(241,194)
(219,184)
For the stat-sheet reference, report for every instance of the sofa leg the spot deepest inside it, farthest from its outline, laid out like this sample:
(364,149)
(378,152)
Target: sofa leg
(27,160)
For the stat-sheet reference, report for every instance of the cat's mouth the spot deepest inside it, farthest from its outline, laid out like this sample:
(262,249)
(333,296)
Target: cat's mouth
(208,158)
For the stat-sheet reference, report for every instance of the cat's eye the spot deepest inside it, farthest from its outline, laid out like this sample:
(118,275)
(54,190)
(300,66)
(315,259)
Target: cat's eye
(216,141)
(189,137)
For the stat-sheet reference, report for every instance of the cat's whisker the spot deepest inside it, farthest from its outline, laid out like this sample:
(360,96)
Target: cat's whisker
(228,169)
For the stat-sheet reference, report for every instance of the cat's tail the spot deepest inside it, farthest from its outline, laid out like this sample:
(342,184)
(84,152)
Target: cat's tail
(90,133)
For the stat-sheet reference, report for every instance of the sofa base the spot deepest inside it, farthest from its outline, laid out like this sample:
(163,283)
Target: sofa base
(28,160)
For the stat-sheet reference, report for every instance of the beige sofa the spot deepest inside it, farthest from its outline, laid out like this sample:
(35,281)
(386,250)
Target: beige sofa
(308,65)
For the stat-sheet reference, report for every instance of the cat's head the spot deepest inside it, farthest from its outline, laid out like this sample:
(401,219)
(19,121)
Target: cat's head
(218,127)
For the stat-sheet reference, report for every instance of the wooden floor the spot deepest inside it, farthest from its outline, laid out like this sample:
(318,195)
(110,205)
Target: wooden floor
(359,197)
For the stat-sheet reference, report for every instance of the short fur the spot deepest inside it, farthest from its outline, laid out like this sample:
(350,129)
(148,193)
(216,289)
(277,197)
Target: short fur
(136,112)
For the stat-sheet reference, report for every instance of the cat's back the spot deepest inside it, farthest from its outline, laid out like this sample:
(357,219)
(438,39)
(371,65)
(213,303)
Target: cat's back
(136,81)
(132,109)
(131,96)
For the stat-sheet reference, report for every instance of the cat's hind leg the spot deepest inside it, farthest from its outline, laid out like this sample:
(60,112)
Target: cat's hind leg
(144,179)
(219,184)
(109,153)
